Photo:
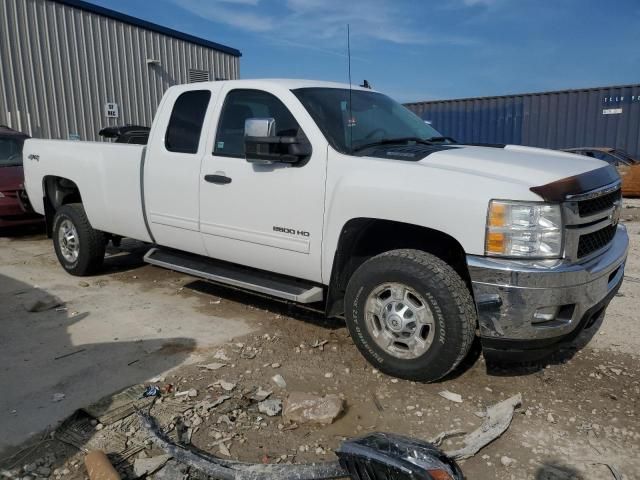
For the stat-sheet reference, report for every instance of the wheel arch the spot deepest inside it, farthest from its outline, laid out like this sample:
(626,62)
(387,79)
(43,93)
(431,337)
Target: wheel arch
(58,191)
(364,238)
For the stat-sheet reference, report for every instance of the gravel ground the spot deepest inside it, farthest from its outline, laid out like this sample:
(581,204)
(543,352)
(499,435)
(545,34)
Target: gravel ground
(579,416)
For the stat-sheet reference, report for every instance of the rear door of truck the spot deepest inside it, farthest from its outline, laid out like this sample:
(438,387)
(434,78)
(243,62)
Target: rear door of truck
(171,174)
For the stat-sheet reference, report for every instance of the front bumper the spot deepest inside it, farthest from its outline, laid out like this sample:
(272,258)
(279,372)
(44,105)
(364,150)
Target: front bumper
(527,308)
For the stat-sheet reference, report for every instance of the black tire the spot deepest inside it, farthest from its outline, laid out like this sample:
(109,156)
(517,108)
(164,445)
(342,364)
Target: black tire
(91,242)
(445,293)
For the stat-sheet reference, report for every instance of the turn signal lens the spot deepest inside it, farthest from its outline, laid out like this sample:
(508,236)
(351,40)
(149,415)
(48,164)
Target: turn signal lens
(520,229)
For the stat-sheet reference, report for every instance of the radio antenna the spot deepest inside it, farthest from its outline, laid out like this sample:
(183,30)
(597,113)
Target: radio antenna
(350,122)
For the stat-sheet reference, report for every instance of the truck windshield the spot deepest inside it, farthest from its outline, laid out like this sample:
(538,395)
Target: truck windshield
(10,152)
(375,119)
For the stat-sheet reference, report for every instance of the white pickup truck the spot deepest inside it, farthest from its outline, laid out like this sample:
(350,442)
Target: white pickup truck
(344,200)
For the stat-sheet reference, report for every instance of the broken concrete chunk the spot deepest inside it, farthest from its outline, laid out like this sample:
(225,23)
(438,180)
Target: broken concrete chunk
(300,407)
(454,397)
(171,471)
(259,395)
(496,422)
(270,407)
(147,466)
(192,392)
(221,355)
(226,386)
(279,381)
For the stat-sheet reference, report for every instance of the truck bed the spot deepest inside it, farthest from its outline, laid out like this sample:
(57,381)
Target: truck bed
(107,174)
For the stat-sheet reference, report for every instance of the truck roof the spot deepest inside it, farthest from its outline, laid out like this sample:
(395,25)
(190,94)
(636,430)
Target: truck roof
(288,83)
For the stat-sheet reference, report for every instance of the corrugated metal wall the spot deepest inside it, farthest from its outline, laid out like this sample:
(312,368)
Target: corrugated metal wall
(60,65)
(603,117)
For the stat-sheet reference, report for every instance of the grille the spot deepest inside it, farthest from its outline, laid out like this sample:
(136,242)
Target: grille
(594,241)
(598,204)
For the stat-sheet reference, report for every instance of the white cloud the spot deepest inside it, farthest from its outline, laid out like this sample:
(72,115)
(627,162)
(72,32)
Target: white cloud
(229,14)
(321,23)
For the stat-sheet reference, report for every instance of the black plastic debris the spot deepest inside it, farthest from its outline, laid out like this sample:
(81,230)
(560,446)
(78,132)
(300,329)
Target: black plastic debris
(151,391)
(385,456)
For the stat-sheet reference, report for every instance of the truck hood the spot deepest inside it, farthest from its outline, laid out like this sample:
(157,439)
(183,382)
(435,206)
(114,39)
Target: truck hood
(11,178)
(526,166)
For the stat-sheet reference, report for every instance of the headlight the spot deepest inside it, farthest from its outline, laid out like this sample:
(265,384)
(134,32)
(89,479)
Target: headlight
(520,229)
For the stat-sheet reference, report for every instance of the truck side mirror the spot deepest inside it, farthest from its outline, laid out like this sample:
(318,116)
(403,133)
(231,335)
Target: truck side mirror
(262,145)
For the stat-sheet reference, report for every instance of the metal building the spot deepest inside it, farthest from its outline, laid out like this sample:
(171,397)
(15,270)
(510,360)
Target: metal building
(69,68)
(602,117)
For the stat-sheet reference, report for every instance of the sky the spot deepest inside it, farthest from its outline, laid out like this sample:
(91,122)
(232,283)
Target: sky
(419,49)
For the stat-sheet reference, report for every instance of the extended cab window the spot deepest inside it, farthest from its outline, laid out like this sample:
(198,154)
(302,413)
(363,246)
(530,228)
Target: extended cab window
(242,104)
(185,124)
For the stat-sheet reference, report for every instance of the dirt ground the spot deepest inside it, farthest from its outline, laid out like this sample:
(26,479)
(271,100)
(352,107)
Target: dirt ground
(579,416)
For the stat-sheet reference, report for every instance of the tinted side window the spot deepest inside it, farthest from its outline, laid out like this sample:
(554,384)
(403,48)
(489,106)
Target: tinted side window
(185,124)
(606,157)
(242,104)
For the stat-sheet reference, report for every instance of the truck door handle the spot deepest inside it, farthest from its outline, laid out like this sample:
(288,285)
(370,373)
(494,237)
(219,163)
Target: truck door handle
(219,179)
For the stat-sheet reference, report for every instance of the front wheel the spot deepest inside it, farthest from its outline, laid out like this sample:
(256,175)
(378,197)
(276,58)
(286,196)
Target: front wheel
(410,314)
(79,247)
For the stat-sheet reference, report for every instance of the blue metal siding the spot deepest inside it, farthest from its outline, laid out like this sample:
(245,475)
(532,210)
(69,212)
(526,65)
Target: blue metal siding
(565,119)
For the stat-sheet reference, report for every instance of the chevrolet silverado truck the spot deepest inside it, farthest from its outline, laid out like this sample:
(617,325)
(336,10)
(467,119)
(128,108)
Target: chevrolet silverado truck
(342,199)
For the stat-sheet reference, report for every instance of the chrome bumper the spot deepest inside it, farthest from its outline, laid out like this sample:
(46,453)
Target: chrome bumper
(544,300)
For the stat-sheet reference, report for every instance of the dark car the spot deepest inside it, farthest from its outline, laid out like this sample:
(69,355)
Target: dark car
(135,134)
(628,167)
(15,208)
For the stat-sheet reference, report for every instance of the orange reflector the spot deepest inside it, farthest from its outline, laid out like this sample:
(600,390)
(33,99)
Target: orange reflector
(439,475)
(495,242)
(497,214)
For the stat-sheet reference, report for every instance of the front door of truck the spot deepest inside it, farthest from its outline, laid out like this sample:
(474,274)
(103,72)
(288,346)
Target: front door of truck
(265,216)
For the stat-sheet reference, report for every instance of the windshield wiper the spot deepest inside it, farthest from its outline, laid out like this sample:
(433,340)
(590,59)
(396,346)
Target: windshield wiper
(389,141)
(441,139)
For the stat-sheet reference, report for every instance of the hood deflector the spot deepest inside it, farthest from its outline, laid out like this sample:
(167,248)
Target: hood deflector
(559,190)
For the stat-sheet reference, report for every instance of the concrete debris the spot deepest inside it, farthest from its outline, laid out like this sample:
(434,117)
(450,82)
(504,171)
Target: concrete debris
(300,407)
(224,450)
(213,366)
(221,355)
(496,422)
(454,397)
(171,471)
(319,344)
(205,405)
(226,386)
(551,418)
(506,461)
(42,303)
(147,466)
(192,392)
(57,397)
(279,381)
(260,394)
(271,407)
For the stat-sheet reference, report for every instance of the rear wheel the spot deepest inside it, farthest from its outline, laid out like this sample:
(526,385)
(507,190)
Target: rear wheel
(410,314)
(79,247)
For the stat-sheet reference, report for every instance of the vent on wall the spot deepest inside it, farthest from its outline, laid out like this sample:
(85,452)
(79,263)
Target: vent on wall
(198,76)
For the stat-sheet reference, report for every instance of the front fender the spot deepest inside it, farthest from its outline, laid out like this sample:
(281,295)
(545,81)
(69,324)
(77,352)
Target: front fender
(449,201)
